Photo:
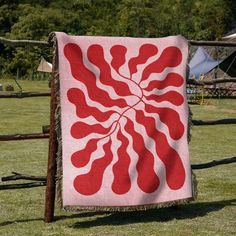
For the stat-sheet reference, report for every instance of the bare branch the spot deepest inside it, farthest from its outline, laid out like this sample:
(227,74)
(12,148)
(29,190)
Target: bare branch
(210,82)
(213,163)
(25,185)
(212,43)
(214,122)
(25,94)
(18,176)
(23,43)
(11,137)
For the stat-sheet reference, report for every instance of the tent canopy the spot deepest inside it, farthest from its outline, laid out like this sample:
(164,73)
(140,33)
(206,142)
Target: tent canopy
(228,65)
(201,64)
(230,37)
(44,66)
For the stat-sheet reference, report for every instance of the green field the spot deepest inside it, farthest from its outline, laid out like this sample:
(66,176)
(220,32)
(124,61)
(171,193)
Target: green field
(22,211)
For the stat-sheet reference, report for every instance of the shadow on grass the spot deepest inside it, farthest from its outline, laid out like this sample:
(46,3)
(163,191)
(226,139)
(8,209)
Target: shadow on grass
(56,218)
(188,211)
(5,223)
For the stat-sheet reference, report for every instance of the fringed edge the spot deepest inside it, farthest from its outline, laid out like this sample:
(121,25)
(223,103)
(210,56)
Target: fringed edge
(194,186)
(128,208)
(190,114)
(53,41)
(59,150)
(189,136)
(190,124)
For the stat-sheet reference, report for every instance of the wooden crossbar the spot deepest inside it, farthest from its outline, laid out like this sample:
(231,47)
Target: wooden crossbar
(20,43)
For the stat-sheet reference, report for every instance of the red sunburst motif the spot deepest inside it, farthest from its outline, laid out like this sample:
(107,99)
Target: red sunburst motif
(135,92)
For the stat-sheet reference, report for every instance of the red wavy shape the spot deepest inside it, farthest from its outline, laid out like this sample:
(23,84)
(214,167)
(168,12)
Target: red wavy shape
(175,173)
(96,56)
(74,56)
(118,53)
(81,158)
(122,182)
(90,183)
(172,79)
(170,96)
(80,129)
(145,52)
(147,180)
(77,97)
(169,117)
(170,57)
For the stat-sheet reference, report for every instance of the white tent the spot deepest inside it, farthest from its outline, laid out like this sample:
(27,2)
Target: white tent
(201,64)
(230,37)
(44,66)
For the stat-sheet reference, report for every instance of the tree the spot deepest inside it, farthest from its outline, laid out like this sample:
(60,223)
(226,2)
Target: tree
(8,15)
(36,23)
(210,19)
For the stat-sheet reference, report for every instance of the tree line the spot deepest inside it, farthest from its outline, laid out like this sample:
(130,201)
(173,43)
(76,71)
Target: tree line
(28,19)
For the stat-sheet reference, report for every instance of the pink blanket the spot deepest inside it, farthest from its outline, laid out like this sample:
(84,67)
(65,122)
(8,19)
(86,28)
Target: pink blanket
(124,120)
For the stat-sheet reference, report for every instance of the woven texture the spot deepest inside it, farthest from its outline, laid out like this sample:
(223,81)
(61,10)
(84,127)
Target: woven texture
(124,122)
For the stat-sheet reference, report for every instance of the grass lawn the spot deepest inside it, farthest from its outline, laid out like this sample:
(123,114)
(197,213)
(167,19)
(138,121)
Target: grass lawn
(22,211)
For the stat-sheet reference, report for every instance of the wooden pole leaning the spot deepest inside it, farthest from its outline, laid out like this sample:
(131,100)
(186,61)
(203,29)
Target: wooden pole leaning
(53,147)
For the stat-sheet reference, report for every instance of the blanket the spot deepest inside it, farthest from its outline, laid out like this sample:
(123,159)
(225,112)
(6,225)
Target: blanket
(124,118)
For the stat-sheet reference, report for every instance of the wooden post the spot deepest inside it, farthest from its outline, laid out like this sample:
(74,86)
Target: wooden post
(53,146)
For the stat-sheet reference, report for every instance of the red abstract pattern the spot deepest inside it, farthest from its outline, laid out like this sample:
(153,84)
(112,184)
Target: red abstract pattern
(149,93)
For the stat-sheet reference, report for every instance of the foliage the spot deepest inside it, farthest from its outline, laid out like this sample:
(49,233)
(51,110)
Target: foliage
(204,15)
(8,15)
(27,19)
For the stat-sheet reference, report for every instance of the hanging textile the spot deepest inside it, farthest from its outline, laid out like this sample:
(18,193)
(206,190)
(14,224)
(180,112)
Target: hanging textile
(124,118)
